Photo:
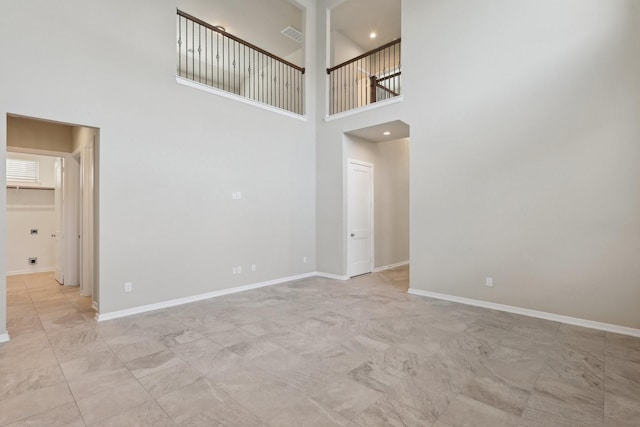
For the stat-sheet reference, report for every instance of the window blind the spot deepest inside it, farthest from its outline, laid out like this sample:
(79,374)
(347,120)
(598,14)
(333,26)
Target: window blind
(24,171)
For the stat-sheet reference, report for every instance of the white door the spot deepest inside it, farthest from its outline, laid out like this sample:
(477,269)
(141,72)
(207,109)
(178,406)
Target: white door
(58,248)
(360,217)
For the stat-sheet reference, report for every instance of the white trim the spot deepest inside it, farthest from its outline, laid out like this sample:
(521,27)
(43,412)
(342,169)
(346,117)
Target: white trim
(100,317)
(531,313)
(39,270)
(4,337)
(331,276)
(31,208)
(390,266)
(229,95)
(358,110)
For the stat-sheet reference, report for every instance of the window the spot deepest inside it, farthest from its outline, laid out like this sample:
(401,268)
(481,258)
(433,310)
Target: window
(23,171)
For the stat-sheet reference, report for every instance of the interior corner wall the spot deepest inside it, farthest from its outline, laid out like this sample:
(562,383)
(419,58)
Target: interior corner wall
(524,150)
(391,196)
(331,157)
(170,156)
(343,48)
(81,135)
(3,223)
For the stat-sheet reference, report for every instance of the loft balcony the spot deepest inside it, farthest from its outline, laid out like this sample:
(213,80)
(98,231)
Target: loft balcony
(208,55)
(368,78)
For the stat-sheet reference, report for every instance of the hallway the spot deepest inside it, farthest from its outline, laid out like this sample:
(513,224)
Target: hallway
(37,303)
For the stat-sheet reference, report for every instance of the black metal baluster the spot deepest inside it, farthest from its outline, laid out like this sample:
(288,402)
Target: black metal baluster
(289,103)
(211,44)
(353,85)
(200,53)
(360,83)
(193,53)
(186,49)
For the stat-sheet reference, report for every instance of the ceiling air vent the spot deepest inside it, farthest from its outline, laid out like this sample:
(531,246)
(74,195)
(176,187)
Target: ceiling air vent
(293,34)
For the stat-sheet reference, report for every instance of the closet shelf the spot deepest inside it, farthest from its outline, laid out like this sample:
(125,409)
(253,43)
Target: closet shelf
(29,187)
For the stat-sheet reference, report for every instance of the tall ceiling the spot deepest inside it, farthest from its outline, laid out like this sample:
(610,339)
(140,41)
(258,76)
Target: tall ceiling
(357,19)
(261,21)
(256,21)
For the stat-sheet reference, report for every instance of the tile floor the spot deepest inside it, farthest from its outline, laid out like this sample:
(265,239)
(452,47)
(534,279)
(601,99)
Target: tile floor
(315,352)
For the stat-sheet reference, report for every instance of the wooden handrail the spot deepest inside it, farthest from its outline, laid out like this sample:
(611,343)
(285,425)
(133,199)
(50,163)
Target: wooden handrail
(364,55)
(239,40)
(390,76)
(386,89)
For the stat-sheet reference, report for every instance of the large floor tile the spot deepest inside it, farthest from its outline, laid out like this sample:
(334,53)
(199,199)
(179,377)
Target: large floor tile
(313,352)
(464,411)
(146,415)
(109,403)
(66,415)
(32,402)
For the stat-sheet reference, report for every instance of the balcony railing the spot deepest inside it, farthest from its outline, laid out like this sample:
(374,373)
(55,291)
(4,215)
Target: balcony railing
(213,57)
(365,79)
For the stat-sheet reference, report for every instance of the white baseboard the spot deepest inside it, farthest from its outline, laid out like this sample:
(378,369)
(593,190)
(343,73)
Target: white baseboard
(390,266)
(38,270)
(4,337)
(531,313)
(331,276)
(100,317)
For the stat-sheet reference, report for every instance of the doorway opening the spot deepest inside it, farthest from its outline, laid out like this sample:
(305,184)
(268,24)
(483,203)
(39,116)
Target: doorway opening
(51,213)
(376,204)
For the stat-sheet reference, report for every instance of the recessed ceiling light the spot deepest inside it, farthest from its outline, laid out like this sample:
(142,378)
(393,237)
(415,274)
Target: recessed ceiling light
(387,133)
(373,35)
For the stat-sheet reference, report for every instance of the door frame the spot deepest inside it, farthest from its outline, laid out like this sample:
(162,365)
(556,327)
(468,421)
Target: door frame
(371,166)
(70,193)
(87,222)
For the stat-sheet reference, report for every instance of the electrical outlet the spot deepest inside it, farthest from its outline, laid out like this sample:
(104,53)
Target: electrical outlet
(128,287)
(253,267)
(32,261)
(304,259)
(489,282)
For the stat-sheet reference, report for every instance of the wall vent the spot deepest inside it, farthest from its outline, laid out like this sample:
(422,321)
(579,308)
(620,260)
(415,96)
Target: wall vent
(293,34)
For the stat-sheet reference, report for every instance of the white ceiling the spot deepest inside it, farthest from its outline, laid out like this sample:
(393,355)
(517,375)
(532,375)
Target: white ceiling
(356,19)
(397,130)
(258,22)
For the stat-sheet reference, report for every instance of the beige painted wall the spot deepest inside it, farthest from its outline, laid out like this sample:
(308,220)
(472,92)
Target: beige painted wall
(81,135)
(37,134)
(391,195)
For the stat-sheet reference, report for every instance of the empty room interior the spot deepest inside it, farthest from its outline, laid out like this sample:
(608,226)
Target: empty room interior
(320,213)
